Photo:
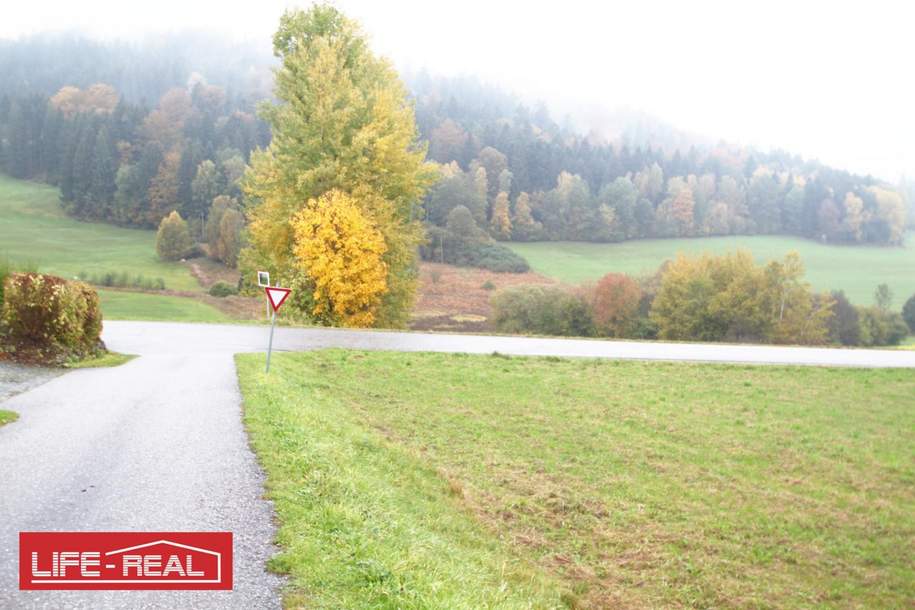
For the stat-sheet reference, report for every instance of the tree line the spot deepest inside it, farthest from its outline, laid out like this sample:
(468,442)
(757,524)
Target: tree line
(707,298)
(525,178)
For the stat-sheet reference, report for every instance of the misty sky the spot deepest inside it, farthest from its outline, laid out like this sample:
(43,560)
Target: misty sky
(823,79)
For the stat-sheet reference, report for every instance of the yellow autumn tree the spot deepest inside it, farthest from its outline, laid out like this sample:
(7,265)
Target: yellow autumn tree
(341,252)
(500,223)
(730,297)
(343,122)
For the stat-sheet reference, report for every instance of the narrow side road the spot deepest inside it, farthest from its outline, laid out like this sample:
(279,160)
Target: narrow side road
(154,445)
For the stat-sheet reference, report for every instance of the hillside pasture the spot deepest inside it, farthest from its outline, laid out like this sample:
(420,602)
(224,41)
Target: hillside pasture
(35,231)
(855,269)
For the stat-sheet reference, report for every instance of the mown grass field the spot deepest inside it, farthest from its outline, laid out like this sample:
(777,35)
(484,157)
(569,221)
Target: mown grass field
(855,269)
(35,230)
(452,481)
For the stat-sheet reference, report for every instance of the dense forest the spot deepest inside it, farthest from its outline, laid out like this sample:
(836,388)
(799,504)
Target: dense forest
(524,177)
(74,113)
(130,133)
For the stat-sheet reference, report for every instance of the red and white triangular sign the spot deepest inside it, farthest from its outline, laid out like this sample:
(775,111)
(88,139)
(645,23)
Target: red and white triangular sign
(276,296)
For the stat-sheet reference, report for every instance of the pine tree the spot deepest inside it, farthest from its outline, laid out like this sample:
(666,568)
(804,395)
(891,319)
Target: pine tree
(82,170)
(102,185)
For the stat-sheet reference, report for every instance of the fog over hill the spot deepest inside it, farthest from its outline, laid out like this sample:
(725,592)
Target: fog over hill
(823,80)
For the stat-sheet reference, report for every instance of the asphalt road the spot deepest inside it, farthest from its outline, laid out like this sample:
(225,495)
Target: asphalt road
(158,445)
(168,338)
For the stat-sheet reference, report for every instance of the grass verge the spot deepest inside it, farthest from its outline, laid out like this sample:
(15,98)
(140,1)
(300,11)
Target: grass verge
(436,480)
(366,522)
(7,417)
(108,359)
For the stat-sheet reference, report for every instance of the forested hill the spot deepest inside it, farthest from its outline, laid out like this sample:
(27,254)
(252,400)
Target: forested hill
(524,177)
(130,132)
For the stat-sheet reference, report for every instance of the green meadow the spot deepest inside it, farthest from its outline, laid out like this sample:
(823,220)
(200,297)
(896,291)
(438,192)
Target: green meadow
(456,481)
(35,231)
(855,269)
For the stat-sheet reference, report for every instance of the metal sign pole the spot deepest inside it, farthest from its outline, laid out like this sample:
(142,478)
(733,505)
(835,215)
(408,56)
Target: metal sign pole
(270,344)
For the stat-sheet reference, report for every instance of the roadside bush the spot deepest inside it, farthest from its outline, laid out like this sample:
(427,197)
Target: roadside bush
(615,303)
(541,310)
(173,240)
(7,268)
(51,318)
(92,318)
(881,327)
(731,298)
(908,313)
(222,289)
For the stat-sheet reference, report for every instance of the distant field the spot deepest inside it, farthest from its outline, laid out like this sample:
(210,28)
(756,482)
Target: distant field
(34,229)
(118,305)
(454,481)
(855,269)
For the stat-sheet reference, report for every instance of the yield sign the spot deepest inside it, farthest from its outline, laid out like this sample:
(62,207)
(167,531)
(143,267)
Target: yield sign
(277,296)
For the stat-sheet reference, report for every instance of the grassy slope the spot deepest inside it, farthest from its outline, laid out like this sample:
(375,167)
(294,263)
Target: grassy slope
(855,269)
(406,480)
(34,229)
(120,305)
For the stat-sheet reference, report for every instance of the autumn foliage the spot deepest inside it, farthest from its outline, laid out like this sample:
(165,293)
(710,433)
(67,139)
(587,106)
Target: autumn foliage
(341,252)
(731,298)
(345,135)
(98,99)
(173,239)
(50,319)
(615,305)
